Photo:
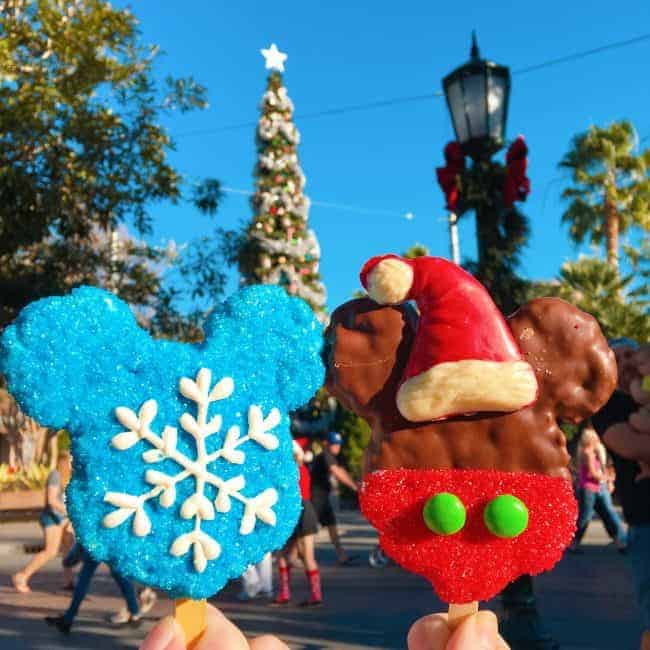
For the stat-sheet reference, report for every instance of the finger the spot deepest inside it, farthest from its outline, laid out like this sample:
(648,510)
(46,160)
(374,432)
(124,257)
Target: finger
(429,633)
(479,632)
(501,644)
(267,642)
(165,635)
(220,633)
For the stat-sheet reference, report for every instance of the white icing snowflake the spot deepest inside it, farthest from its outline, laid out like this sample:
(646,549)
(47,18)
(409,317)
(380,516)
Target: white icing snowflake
(163,447)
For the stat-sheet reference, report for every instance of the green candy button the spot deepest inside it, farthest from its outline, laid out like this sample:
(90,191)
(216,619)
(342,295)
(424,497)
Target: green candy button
(444,513)
(506,516)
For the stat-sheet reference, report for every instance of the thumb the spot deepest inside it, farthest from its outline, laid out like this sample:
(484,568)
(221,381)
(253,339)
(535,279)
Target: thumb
(221,634)
(429,633)
(478,632)
(167,634)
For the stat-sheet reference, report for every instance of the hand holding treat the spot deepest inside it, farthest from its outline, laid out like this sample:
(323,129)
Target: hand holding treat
(183,472)
(431,632)
(631,439)
(469,502)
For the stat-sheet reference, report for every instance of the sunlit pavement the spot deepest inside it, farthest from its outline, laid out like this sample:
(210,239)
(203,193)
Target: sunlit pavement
(587,601)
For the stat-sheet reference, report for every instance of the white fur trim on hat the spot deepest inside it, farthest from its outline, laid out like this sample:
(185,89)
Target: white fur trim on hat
(467,386)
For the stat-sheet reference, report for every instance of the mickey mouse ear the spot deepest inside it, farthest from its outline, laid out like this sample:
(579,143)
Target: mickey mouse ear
(280,335)
(60,349)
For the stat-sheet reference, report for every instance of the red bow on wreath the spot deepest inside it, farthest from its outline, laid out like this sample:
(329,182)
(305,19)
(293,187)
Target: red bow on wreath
(448,175)
(517,185)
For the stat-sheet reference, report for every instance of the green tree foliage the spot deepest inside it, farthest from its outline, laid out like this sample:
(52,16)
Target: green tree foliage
(83,155)
(356,436)
(619,303)
(417,250)
(610,191)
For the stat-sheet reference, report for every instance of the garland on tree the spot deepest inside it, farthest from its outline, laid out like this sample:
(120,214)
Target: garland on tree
(279,247)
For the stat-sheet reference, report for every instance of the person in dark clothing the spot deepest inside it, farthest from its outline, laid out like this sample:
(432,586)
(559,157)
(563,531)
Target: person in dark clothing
(633,489)
(301,542)
(324,468)
(64,622)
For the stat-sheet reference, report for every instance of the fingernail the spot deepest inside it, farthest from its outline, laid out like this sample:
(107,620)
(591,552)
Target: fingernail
(167,635)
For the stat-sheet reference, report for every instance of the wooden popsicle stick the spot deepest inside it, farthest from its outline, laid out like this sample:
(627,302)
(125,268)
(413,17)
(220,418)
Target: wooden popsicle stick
(191,615)
(458,613)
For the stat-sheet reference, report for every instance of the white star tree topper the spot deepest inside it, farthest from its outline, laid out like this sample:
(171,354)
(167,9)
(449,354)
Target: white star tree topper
(273,58)
(163,446)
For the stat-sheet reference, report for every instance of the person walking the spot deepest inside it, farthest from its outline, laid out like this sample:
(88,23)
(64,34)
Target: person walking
(257,580)
(631,453)
(594,491)
(53,520)
(301,543)
(325,468)
(64,622)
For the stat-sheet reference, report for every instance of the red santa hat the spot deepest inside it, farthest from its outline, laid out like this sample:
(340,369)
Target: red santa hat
(464,359)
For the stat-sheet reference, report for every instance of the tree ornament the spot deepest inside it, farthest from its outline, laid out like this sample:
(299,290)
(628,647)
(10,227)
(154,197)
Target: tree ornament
(273,58)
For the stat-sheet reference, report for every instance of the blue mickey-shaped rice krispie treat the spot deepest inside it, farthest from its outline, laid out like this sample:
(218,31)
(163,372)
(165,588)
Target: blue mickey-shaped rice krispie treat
(183,472)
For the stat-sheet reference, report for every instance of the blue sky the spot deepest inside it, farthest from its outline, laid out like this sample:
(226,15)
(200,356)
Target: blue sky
(345,53)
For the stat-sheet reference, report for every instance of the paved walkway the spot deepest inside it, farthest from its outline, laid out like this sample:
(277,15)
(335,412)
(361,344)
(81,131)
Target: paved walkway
(587,601)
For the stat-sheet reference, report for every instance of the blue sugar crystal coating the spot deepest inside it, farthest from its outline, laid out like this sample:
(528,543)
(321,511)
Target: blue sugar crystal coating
(70,361)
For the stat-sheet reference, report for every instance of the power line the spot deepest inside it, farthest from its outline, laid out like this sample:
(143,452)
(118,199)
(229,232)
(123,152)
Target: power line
(582,55)
(429,96)
(335,206)
(329,111)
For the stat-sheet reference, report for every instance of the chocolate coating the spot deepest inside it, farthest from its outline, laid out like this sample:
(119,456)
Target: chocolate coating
(366,352)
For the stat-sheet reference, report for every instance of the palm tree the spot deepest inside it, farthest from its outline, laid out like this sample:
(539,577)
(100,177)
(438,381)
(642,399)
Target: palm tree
(417,250)
(611,188)
(619,303)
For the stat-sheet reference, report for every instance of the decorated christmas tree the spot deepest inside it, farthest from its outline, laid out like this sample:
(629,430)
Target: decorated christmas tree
(279,248)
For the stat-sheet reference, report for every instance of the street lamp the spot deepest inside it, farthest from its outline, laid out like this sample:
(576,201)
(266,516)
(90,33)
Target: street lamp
(477,96)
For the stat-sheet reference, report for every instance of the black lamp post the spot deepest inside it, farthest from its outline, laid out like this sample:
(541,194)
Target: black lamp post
(477,96)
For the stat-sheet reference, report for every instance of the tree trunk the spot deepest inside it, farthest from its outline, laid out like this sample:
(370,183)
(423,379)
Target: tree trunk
(611,232)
